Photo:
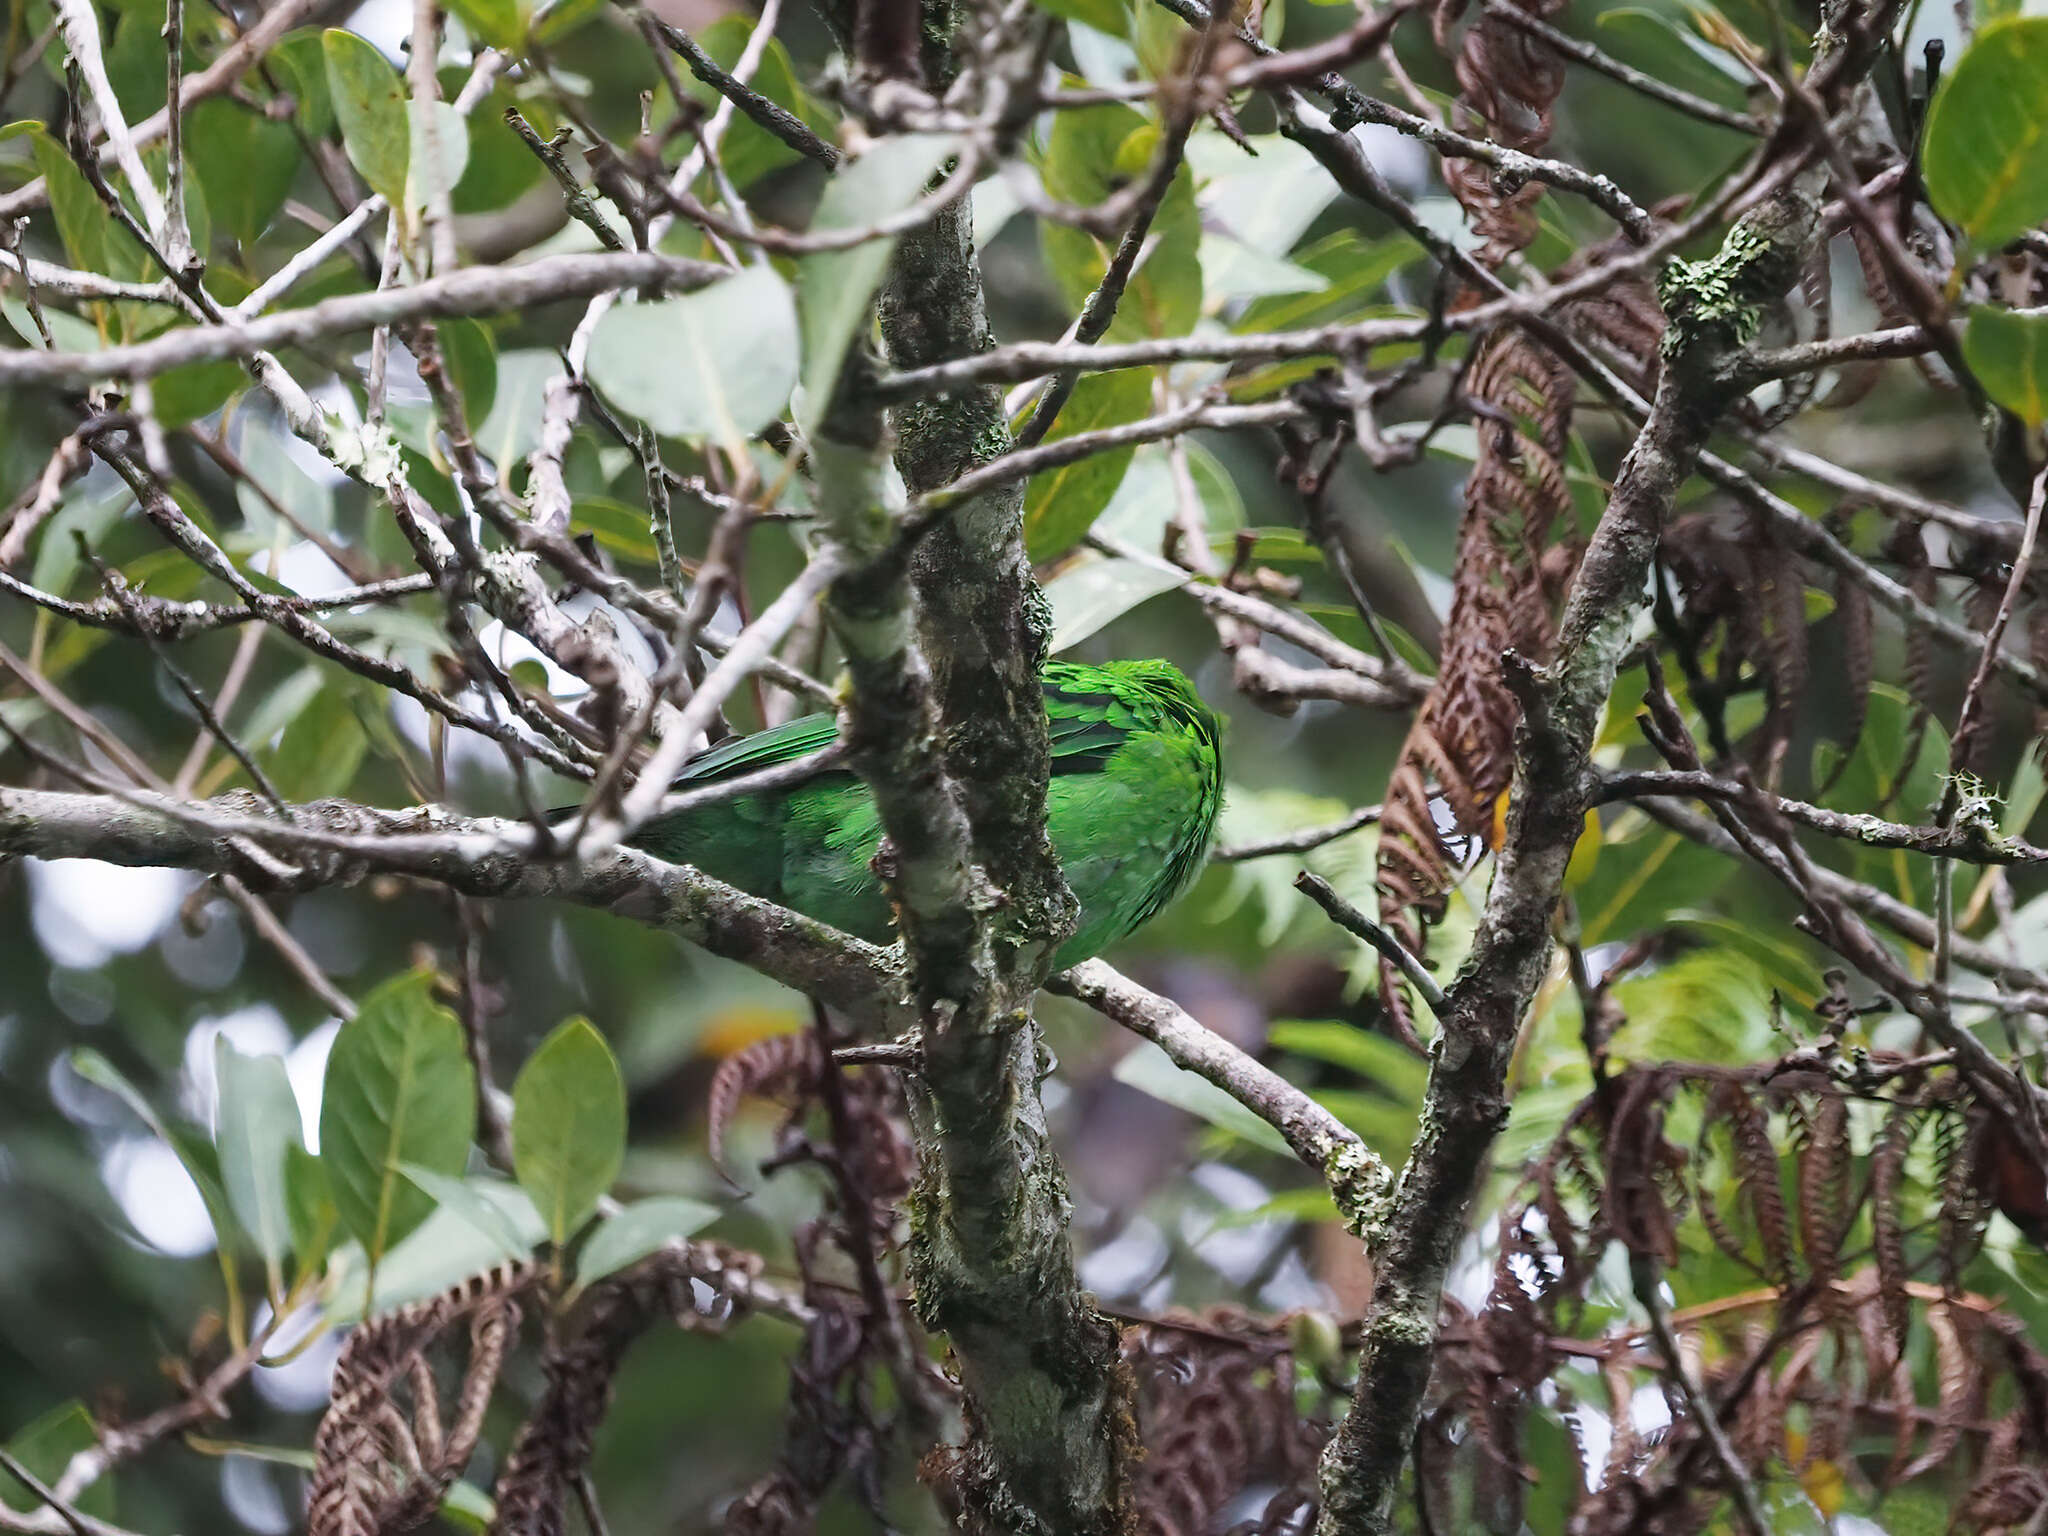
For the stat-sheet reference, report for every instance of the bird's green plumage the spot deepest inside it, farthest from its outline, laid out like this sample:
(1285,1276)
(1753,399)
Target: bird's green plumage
(1137,780)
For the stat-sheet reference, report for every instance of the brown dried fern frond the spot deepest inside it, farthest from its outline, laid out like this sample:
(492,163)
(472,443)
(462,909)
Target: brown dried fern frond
(1460,748)
(1508,82)
(781,1067)
(1217,1415)
(1741,582)
(553,1447)
(383,1457)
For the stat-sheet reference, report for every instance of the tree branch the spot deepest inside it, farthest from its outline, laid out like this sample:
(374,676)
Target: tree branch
(337,842)
(1711,308)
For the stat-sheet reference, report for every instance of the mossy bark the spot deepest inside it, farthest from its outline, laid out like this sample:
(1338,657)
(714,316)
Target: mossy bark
(1712,308)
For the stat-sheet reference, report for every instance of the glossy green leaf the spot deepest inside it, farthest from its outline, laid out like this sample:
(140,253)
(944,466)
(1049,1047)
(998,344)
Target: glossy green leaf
(569,1125)
(442,1250)
(554,20)
(259,1122)
(1354,270)
(1061,504)
(642,1227)
(836,289)
(1091,593)
(1148,499)
(83,223)
(399,1090)
(500,166)
(245,162)
(282,705)
(2008,352)
(275,483)
(1672,50)
(369,104)
(464,1198)
(322,748)
(1986,148)
(44,1447)
(717,364)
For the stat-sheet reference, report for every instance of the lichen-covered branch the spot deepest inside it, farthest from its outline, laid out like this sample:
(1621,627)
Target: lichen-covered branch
(1712,309)
(336,842)
(962,749)
(1358,1180)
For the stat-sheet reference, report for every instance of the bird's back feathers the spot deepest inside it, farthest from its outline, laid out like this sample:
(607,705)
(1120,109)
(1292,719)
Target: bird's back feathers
(1131,808)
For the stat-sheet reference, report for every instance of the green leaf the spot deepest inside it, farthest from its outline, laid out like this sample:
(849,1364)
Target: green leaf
(273,479)
(835,289)
(1986,149)
(569,1125)
(322,748)
(1384,1113)
(399,1090)
(500,166)
(554,20)
(1354,268)
(369,104)
(451,139)
(245,162)
(185,395)
(282,705)
(751,151)
(638,1230)
(1644,874)
(45,1447)
(2008,351)
(442,1250)
(1060,505)
(1103,15)
(309,1202)
(1267,201)
(83,223)
(716,364)
(471,353)
(196,1155)
(496,22)
(1376,1058)
(620,527)
(1150,1070)
(1148,501)
(1672,50)
(464,1199)
(301,59)
(259,1122)
(1089,154)
(1091,593)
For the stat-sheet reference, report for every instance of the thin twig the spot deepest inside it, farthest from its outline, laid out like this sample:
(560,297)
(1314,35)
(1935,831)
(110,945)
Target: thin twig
(1356,923)
(1298,842)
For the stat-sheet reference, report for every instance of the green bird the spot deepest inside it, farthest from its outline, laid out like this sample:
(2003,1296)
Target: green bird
(1137,780)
